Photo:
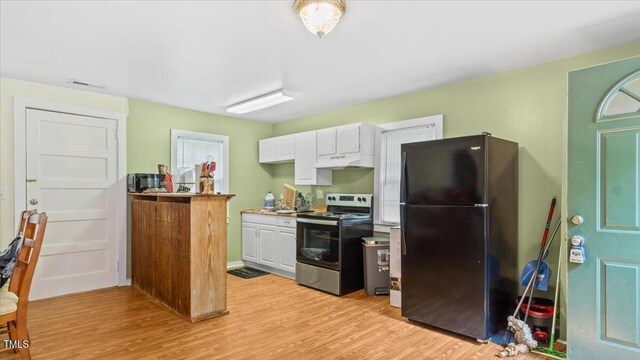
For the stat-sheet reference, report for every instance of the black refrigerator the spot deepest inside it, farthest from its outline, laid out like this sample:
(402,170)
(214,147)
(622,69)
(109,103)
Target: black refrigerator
(459,227)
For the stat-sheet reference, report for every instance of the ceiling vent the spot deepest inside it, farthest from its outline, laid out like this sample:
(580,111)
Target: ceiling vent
(86,84)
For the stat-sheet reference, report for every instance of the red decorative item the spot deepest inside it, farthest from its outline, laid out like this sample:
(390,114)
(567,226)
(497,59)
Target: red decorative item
(168,183)
(208,168)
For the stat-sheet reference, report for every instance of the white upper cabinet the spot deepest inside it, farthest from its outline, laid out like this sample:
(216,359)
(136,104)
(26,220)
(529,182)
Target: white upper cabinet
(276,150)
(305,160)
(285,147)
(346,146)
(348,139)
(327,141)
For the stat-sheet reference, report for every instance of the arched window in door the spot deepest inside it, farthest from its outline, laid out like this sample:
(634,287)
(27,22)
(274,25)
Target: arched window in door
(623,100)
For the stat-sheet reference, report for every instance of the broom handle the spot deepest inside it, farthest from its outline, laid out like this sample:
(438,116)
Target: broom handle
(555,300)
(526,290)
(553,236)
(540,253)
(524,294)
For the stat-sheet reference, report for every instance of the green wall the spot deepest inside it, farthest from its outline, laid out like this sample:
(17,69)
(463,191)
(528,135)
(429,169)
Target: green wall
(148,144)
(527,105)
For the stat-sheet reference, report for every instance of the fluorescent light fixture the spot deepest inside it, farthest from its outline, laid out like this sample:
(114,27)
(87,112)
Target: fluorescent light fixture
(260,102)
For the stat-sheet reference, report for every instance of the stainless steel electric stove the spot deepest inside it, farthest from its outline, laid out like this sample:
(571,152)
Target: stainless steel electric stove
(329,244)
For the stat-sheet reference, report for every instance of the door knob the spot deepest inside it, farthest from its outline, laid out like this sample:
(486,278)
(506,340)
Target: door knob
(577,220)
(33,202)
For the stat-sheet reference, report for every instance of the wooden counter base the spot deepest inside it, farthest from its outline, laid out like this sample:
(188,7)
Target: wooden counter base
(179,251)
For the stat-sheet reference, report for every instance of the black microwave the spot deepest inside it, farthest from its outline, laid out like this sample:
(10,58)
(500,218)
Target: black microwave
(141,182)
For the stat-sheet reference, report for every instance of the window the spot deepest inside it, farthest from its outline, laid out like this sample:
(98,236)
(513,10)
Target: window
(189,149)
(388,162)
(621,101)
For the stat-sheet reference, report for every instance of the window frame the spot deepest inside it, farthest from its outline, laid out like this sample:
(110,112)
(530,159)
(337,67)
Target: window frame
(435,121)
(606,100)
(201,136)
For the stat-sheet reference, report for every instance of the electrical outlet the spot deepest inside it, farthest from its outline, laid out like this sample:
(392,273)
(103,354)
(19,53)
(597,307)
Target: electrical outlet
(319,194)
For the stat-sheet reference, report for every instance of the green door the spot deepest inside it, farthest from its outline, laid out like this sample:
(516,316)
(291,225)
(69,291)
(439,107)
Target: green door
(604,189)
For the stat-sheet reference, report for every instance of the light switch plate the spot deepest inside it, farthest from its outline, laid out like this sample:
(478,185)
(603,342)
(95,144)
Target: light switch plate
(319,194)
(3,194)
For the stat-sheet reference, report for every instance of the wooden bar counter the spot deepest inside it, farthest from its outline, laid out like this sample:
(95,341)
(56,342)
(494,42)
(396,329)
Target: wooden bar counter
(179,251)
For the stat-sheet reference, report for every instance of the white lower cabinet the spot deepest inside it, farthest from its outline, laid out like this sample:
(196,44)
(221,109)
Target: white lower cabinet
(287,249)
(269,243)
(249,241)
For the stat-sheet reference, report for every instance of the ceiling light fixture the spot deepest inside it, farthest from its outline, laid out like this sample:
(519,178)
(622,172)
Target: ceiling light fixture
(320,16)
(260,102)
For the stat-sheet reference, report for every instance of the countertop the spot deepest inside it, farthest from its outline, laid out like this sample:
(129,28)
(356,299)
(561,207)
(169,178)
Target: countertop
(181,195)
(273,213)
(267,212)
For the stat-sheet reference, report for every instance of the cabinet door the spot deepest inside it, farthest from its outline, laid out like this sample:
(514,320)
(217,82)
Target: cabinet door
(287,249)
(267,245)
(285,147)
(326,141)
(348,139)
(305,158)
(249,242)
(267,150)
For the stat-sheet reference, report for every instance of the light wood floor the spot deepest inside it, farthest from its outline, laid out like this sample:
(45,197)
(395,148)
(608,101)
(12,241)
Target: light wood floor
(270,318)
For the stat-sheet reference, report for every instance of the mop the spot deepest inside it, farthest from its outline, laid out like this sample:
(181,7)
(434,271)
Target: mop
(505,337)
(522,334)
(550,351)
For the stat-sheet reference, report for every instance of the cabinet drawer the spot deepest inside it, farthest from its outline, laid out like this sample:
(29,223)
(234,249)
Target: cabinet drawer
(286,221)
(259,219)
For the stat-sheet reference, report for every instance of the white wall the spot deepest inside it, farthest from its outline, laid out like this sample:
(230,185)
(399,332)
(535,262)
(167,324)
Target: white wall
(10,88)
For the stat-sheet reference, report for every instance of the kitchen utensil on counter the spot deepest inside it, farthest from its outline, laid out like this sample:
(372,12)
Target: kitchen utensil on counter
(303,203)
(289,196)
(207,169)
(206,185)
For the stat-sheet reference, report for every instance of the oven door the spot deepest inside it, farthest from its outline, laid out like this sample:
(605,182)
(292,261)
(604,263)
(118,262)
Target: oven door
(318,243)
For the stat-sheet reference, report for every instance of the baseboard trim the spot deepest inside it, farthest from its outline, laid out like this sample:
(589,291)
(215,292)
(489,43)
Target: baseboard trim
(235,264)
(230,265)
(279,272)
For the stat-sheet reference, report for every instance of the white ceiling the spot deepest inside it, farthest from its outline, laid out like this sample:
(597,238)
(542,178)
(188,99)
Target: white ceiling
(206,55)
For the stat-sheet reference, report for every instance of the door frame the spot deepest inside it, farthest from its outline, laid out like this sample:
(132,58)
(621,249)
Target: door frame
(20,107)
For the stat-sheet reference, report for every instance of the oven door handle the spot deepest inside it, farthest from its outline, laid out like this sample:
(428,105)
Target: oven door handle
(317,222)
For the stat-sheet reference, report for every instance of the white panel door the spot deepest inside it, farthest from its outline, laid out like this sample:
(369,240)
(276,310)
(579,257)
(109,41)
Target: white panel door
(285,147)
(72,174)
(266,150)
(267,245)
(326,141)
(249,242)
(348,139)
(305,158)
(287,249)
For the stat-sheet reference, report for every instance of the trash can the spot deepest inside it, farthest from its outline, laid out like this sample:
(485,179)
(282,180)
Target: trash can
(540,318)
(376,265)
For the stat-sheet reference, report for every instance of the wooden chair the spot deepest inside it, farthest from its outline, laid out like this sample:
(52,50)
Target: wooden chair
(22,227)
(13,305)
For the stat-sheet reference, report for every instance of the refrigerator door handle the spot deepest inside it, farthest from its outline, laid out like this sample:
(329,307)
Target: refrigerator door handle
(403,226)
(403,179)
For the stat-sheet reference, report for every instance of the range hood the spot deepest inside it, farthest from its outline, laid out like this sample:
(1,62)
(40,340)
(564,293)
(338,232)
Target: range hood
(340,162)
